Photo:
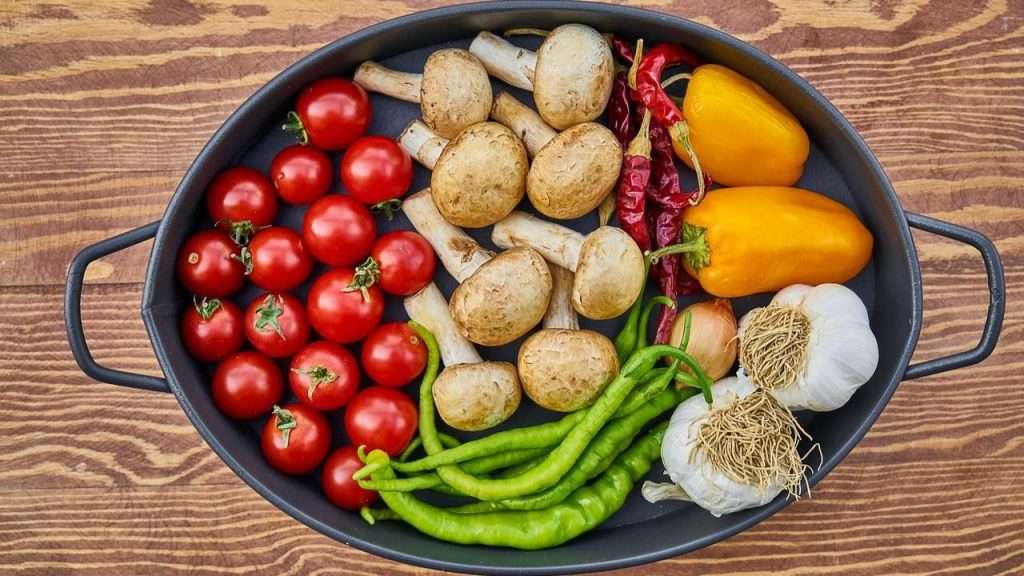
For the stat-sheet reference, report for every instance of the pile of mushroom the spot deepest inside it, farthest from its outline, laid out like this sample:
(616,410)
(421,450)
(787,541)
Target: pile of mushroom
(609,267)
(454,91)
(499,298)
(571,172)
(570,75)
(478,177)
(470,394)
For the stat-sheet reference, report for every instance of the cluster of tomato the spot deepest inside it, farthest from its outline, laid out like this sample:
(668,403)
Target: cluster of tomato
(344,305)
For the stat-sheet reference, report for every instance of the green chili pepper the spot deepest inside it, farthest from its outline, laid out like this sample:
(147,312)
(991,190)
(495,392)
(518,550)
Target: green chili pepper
(626,339)
(481,465)
(448,441)
(523,466)
(656,381)
(584,509)
(645,318)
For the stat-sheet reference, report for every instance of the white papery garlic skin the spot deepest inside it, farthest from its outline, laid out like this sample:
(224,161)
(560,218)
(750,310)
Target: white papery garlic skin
(842,351)
(707,487)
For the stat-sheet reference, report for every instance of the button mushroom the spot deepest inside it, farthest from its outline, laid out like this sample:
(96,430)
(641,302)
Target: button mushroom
(608,264)
(572,172)
(454,91)
(479,176)
(570,75)
(563,368)
(500,298)
(470,394)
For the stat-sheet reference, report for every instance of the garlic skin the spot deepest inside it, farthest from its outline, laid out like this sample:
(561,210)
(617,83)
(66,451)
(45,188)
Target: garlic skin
(842,351)
(707,487)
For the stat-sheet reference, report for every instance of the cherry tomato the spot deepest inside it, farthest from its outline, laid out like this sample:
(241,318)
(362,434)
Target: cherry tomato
(295,439)
(337,480)
(330,114)
(324,375)
(341,312)
(212,328)
(393,355)
(277,261)
(276,324)
(405,260)
(246,385)
(382,418)
(209,265)
(240,201)
(301,174)
(376,169)
(338,230)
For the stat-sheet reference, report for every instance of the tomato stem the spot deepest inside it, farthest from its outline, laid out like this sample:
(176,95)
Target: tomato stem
(366,275)
(285,422)
(317,375)
(387,208)
(294,126)
(268,313)
(245,257)
(206,307)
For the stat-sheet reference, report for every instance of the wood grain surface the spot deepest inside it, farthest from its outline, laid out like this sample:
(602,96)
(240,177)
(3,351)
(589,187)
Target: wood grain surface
(104,104)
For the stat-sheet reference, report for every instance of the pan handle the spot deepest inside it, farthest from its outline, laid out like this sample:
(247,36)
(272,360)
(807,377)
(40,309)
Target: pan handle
(73,312)
(996,298)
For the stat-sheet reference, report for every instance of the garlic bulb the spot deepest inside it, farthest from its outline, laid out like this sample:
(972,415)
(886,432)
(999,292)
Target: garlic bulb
(739,453)
(811,346)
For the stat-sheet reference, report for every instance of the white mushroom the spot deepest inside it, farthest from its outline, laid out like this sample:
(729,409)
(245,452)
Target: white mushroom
(608,264)
(470,394)
(500,298)
(478,177)
(572,172)
(571,74)
(563,368)
(453,91)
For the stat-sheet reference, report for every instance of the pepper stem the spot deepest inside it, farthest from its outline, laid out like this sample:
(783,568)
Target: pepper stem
(366,275)
(641,144)
(526,32)
(638,56)
(680,133)
(293,125)
(387,208)
(694,248)
(285,422)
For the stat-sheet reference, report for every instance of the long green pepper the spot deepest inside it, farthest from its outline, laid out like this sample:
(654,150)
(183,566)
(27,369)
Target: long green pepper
(586,508)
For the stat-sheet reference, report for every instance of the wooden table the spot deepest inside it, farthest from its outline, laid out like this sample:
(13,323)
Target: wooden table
(104,104)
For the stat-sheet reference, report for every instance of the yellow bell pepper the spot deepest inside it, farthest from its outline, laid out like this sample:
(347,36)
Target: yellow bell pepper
(741,134)
(746,240)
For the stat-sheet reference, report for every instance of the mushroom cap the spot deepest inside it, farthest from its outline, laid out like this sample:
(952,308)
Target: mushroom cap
(609,276)
(455,92)
(504,298)
(477,396)
(575,171)
(564,370)
(480,176)
(573,77)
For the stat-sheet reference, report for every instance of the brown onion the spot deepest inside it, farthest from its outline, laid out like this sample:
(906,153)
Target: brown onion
(712,335)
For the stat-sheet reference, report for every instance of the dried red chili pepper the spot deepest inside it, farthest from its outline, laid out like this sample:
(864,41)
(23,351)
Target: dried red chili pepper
(620,117)
(636,175)
(645,78)
(622,49)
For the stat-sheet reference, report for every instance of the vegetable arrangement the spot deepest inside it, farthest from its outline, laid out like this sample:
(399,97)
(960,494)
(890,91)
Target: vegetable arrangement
(729,445)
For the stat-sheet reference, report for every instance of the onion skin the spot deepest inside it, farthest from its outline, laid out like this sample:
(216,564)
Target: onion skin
(712,338)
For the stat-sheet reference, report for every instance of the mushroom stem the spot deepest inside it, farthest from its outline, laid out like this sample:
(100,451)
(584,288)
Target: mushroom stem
(429,308)
(560,312)
(459,253)
(504,60)
(522,120)
(422,143)
(557,244)
(377,78)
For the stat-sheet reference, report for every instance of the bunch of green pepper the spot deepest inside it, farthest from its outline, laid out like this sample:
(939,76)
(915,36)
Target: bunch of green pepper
(553,481)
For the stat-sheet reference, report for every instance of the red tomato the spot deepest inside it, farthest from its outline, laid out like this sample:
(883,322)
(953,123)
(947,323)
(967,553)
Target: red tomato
(276,324)
(301,174)
(209,265)
(324,375)
(212,328)
(338,230)
(376,169)
(246,385)
(341,313)
(240,201)
(331,114)
(277,259)
(295,439)
(405,260)
(381,418)
(337,480)
(393,355)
